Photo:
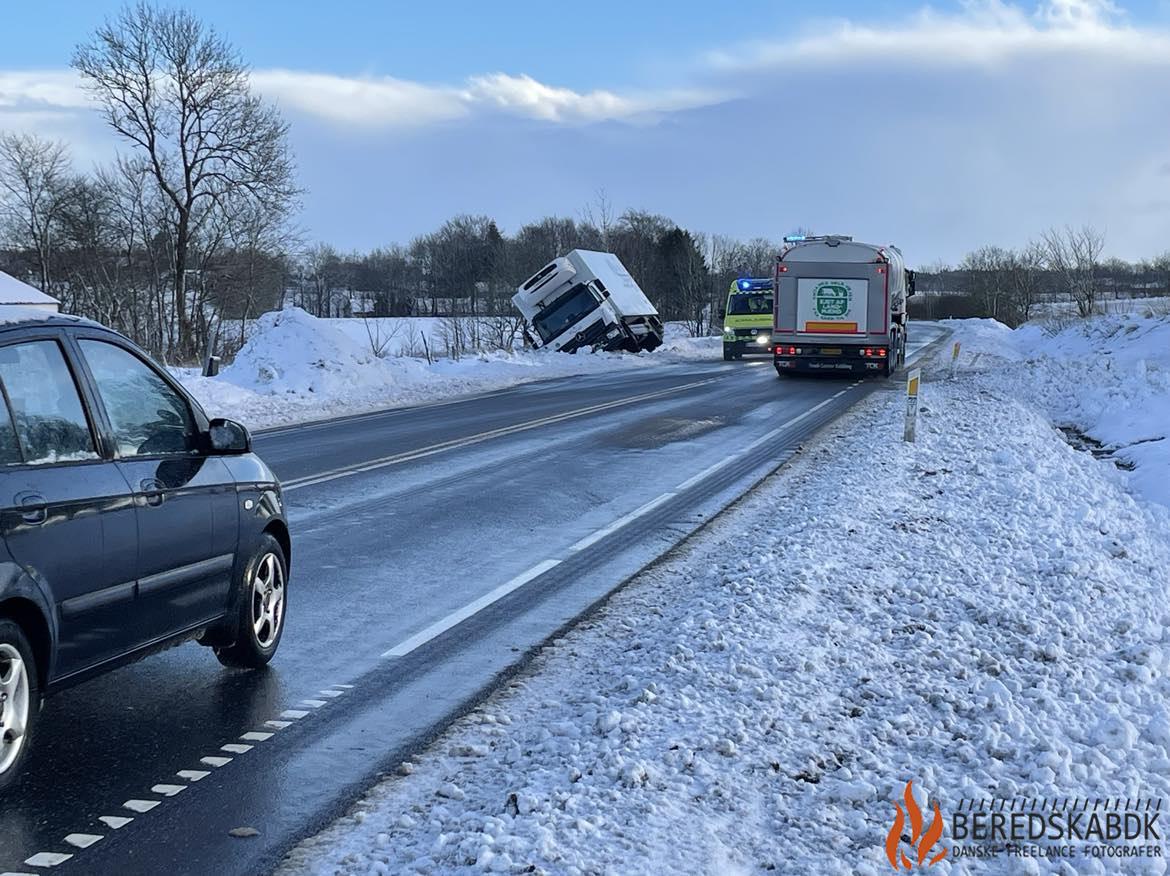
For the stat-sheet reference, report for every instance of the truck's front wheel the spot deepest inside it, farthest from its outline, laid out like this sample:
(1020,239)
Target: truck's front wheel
(728,352)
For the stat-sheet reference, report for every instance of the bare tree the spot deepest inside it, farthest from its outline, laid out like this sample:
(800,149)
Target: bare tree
(1074,255)
(35,177)
(179,94)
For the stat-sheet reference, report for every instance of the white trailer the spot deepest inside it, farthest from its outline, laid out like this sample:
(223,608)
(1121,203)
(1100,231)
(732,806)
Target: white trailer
(840,305)
(587,299)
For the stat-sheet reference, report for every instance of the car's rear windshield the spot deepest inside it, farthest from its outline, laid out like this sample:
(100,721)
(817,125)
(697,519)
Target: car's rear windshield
(574,305)
(747,303)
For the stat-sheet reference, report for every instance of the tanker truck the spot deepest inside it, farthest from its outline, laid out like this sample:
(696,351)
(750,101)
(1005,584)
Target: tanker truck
(840,305)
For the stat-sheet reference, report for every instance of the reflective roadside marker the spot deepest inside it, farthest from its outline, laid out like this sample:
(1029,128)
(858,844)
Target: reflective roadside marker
(912,381)
(954,358)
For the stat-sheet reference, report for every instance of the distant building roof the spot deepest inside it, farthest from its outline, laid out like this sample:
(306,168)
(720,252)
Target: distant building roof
(12,291)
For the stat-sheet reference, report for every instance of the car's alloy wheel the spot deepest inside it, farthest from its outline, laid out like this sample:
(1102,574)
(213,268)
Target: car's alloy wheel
(15,703)
(267,599)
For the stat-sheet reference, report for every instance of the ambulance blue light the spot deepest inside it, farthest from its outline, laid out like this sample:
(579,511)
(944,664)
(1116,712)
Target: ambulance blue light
(745,284)
(794,238)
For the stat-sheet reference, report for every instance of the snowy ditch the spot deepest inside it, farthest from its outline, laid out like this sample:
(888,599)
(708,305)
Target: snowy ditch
(983,613)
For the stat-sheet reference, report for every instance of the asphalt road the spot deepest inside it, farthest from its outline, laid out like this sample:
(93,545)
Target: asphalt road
(434,548)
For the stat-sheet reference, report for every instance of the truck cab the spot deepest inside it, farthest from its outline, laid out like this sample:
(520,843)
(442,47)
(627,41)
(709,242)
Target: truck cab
(747,318)
(587,299)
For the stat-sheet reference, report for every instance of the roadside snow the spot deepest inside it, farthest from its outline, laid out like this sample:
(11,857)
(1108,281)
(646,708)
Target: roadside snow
(295,367)
(1109,377)
(984,612)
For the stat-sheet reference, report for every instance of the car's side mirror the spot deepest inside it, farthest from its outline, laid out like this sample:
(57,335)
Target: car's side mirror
(228,436)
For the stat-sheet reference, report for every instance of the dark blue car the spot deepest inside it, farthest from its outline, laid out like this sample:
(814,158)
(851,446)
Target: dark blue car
(128,520)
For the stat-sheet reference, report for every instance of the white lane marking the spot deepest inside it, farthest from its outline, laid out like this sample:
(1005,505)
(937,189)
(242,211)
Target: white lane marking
(315,704)
(10,873)
(140,806)
(215,761)
(168,790)
(345,686)
(456,443)
(193,775)
(115,821)
(47,859)
(82,840)
(332,693)
(457,617)
(278,725)
(235,748)
(293,713)
(597,536)
(256,736)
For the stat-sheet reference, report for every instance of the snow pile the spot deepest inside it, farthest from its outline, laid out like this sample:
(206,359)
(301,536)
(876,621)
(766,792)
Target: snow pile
(296,367)
(1109,377)
(984,612)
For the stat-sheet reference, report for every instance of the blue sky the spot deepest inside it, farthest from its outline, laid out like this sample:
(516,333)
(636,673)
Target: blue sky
(940,127)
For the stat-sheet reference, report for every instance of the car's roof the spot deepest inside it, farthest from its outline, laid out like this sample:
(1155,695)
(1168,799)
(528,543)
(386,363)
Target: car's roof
(18,316)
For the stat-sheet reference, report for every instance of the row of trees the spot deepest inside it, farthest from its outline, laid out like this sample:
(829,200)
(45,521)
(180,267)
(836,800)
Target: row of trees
(1061,265)
(191,222)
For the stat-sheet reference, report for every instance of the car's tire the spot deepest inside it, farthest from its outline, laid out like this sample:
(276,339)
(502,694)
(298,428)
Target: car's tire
(728,353)
(261,606)
(21,701)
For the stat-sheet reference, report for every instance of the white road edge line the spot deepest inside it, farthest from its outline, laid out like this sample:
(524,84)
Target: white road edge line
(457,617)
(597,536)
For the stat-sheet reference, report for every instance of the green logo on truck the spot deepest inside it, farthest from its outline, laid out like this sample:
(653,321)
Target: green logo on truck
(831,299)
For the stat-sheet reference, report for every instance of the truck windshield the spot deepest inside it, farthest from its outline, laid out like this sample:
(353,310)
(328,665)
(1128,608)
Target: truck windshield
(575,304)
(749,304)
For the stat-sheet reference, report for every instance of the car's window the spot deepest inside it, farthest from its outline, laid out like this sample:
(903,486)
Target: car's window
(148,417)
(9,446)
(50,421)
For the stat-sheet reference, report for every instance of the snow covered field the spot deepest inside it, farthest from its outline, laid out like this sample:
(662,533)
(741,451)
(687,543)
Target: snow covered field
(296,367)
(983,612)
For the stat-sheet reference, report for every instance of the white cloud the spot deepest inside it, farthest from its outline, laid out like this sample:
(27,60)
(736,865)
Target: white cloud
(984,33)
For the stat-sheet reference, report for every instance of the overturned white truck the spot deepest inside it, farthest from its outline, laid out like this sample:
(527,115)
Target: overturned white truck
(587,299)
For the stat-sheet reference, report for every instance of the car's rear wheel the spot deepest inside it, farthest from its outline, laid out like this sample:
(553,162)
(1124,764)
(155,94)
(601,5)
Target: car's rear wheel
(262,599)
(19,701)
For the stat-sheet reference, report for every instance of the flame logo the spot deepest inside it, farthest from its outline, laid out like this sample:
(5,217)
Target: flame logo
(923,842)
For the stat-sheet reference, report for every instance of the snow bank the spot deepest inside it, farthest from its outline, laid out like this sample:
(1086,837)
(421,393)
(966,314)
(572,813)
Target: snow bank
(984,612)
(296,367)
(1107,376)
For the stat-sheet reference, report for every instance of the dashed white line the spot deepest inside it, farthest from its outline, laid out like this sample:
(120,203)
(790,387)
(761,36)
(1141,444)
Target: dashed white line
(332,693)
(278,725)
(256,736)
(117,822)
(82,840)
(235,748)
(168,790)
(316,704)
(193,775)
(47,859)
(293,714)
(215,761)
(140,806)
(457,617)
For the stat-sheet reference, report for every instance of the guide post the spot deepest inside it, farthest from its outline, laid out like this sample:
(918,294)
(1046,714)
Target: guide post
(912,381)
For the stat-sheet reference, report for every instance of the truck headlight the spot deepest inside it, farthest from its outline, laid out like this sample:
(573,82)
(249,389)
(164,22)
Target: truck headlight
(728,332)
(762,339)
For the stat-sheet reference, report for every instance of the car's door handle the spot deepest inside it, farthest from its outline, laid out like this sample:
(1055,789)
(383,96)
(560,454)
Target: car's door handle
(152,491)
(34,508)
